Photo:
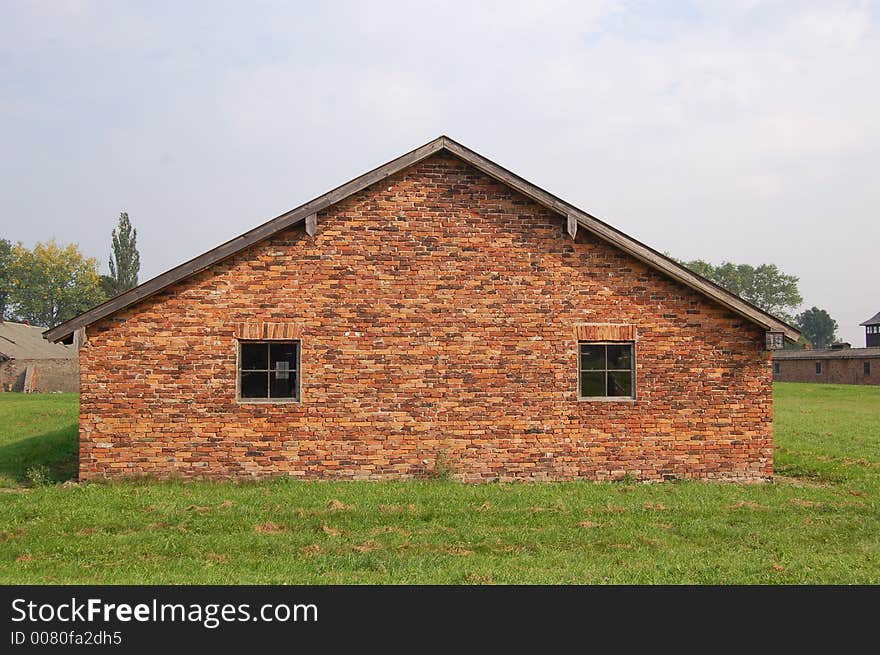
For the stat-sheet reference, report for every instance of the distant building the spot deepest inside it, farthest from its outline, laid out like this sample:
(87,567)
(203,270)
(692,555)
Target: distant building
(30,363)
(834,366)
(839,364)
(872,331)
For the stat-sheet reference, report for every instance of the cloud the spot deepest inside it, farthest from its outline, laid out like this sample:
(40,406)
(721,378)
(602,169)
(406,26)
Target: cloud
(843,27)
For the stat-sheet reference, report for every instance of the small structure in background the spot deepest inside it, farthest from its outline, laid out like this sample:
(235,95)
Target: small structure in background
(839,364)
(872,331)
(29,363)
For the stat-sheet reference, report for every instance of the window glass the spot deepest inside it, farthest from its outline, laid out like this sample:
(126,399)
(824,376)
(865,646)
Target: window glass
(254,385)
(282,352)
(592,357)
(254,356)
(593,384)
(268,370)
(283,387)
(619,383)
(606,370)
(619,357)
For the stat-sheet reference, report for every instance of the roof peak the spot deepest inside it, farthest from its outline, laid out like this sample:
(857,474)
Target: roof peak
(874,320)
(307,214)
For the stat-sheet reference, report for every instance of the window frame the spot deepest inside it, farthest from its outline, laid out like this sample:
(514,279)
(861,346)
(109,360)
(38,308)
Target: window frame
(297,398)
(633,397)
(818,368)
(776,368)
(866,368)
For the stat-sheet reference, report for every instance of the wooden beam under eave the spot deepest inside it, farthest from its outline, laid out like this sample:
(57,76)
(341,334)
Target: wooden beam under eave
(312,224)
(571,225)
(79,338)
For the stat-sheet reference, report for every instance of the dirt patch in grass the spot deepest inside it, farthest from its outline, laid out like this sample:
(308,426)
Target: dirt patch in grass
(748,504)
(800,502)
(330,531)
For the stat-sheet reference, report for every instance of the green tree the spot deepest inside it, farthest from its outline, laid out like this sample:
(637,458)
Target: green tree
(52,284)
(6,259)
(764,286)
(108,286)
(125,261)
(817,326)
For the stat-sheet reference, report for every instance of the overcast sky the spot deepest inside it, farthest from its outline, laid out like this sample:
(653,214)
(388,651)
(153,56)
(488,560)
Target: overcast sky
(742,131)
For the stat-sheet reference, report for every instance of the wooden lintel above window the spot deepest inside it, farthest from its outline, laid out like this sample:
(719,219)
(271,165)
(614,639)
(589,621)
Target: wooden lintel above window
(265,330)
(605,332)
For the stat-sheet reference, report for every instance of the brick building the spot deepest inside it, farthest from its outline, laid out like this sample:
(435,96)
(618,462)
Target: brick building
(438,308)
(30,363)
(839,364)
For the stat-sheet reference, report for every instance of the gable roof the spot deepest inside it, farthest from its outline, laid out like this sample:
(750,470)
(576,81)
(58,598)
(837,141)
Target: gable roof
(22,341)
(874,320)
(306,213)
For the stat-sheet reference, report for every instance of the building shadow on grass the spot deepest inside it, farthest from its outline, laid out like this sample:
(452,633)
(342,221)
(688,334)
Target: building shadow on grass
(45,458)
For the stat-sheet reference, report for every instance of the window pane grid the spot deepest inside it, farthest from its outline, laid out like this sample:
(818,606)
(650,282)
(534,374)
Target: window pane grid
(606,370)
(269,370)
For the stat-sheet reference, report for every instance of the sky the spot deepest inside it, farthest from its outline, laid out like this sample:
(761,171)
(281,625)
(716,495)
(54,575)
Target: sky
(745,131)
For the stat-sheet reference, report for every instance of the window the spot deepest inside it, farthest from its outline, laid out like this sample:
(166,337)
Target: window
(606,370)
(866,367)
(776,368)
(268,370)
(818,368)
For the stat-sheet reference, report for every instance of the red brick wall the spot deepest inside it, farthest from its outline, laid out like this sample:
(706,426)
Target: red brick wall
(438,313)
(834,371)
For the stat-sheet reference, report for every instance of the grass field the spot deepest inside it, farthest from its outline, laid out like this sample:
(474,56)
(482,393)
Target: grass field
(818,523)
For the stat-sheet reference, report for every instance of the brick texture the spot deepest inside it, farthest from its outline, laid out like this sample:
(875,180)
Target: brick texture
(439,313)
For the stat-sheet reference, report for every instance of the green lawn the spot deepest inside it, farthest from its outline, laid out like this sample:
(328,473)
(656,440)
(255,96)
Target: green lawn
(818,523)
(38,432)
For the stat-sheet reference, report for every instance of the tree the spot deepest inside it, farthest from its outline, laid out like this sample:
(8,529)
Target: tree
(764,286)
(5,275)
(52,284)
(108,286)
(817,326)
(125,262)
